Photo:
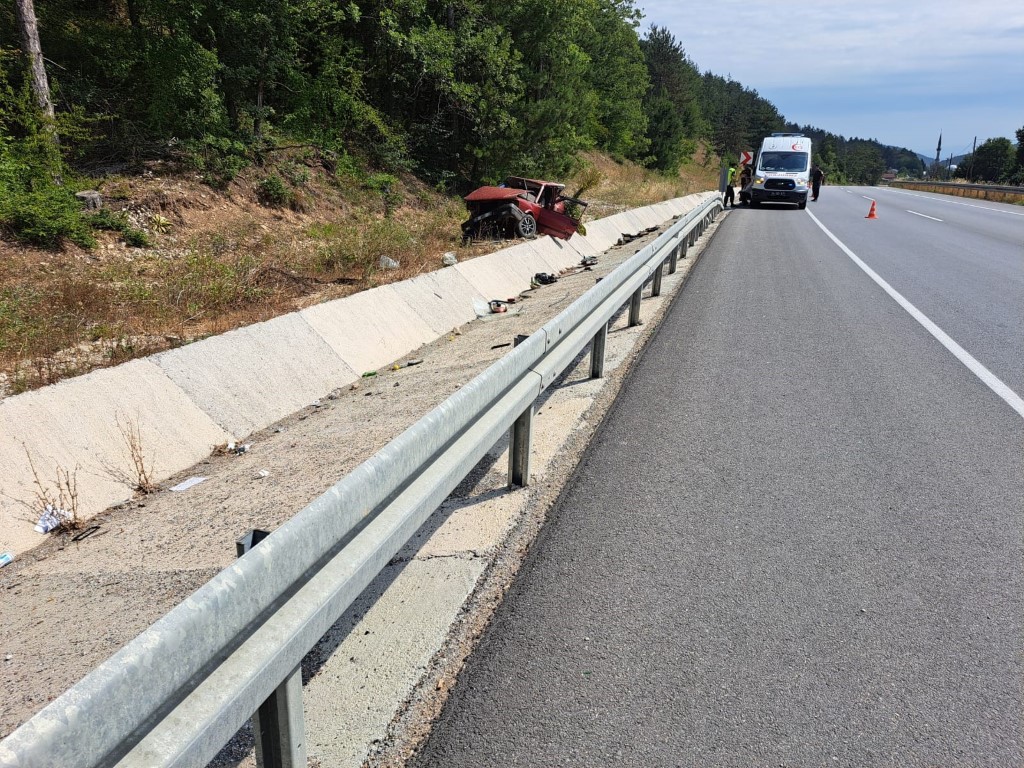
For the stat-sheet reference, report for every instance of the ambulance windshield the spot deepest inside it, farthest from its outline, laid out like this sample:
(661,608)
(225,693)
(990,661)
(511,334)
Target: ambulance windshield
(788,162)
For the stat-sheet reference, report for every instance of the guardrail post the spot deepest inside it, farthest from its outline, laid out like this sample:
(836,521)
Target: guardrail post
(656,285)
(597,353)
(279,724)
(634,307)
(519,450)
(673,259)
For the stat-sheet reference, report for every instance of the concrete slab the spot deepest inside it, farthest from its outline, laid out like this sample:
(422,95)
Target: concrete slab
(376,654)
(249,378)
(524,260)
(577,245)
(552,255)
(442,299)
(633,222)
(602,234)
(370,329)
(77,425)
(475,526)
(649,216)
(493,277)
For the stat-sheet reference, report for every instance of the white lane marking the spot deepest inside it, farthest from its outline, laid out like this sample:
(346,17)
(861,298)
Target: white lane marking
(924,216)
(940,199)
(868,198)
(987,377)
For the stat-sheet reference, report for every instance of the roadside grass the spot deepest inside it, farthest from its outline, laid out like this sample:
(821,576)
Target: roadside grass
(256,251)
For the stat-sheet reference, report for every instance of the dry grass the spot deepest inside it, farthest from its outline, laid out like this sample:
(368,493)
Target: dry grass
(139,474)
(57,502)
(221,260)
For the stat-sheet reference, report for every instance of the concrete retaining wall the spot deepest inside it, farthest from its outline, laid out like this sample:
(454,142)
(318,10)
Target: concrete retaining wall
(186,401)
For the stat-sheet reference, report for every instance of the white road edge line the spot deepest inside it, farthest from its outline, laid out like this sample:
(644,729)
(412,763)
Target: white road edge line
(987,377)
(938,199)
(923,216)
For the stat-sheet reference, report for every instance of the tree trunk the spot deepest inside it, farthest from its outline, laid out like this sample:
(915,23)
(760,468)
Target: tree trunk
(30,40)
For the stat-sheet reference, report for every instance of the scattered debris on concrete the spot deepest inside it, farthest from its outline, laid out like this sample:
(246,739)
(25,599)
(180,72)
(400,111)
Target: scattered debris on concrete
(92,530)
(543,278)
(405,364)
(184,485)
(450,259)
(263,473)
(6,559)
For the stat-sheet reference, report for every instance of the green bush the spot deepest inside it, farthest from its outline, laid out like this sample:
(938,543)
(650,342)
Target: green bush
(136,238)
(117,221)
(218,159)
(43,217)
(108,220)
(273,191)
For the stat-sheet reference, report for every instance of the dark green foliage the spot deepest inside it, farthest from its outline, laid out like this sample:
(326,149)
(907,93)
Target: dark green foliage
(136,238)
(455,91)
(994,161)
(619,78)
(118,222)
(43,217)
(672,102)
(274,191)
(35,207)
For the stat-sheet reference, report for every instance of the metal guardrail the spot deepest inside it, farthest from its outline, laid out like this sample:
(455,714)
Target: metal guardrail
(961,188)
(179,691)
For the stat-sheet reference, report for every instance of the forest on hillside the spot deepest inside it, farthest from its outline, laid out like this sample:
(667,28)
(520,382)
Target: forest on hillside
(457,92)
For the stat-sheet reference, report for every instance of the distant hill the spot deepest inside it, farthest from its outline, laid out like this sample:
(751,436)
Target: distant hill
(957,159)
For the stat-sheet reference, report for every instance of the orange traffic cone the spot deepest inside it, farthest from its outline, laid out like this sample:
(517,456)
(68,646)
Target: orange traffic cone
(871,213)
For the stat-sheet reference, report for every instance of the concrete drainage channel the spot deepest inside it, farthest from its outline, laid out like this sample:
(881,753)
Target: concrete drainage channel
(399,646)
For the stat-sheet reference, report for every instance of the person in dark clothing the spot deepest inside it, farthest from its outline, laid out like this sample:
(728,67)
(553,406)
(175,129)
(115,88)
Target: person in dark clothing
(817,178)
(730,193)
(746,177)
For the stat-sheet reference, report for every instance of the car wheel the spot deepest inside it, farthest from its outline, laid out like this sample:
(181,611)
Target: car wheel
(527,227)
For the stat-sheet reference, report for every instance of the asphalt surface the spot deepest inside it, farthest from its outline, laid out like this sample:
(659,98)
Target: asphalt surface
(797,539)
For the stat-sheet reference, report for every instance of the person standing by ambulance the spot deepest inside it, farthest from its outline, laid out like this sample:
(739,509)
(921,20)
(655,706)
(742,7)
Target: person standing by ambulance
(817,178)
(730,193)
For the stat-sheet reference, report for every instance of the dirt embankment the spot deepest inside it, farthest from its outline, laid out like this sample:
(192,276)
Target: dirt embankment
(217,259)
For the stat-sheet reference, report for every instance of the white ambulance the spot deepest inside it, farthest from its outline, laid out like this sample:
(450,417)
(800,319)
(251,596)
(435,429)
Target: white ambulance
(782,173)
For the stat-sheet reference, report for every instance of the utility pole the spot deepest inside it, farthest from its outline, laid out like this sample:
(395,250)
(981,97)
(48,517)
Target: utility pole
(970,171)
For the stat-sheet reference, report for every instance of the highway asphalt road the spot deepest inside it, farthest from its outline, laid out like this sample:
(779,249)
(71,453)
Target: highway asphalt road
(798,538)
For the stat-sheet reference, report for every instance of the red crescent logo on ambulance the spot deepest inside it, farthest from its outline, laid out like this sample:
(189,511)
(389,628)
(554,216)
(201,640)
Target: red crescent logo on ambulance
(797,147)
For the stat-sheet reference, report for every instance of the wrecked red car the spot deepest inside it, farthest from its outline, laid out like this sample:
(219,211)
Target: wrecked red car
(522,208)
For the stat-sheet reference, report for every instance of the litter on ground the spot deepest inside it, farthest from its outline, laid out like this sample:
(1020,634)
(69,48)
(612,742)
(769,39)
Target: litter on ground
(50,519)
(184,485)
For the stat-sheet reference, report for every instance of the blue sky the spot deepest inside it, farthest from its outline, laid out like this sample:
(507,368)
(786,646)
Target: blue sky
(898,72)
